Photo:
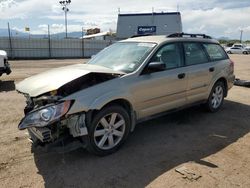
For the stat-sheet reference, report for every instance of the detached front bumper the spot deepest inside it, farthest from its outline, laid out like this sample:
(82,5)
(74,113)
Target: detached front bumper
(73,126)
(63,135)
(65,143)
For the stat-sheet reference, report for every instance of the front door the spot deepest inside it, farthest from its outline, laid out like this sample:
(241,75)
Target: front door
(157,92)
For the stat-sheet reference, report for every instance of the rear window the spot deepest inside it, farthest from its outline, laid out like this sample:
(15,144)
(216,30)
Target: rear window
(215,52)
(194,54)
(238,46)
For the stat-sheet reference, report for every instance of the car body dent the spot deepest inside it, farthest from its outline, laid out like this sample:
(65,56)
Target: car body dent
(94,98)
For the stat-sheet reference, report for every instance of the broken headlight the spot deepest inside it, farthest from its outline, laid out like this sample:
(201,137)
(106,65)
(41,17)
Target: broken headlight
(45,116)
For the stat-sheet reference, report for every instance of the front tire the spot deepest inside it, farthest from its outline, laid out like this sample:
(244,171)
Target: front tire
(216,97)
(109,129)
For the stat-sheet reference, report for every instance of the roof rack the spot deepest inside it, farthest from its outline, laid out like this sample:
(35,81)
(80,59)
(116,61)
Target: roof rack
(189,35)
(134,36)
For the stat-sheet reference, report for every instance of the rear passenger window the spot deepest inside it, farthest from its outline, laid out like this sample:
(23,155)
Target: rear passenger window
(194,54)
(215,52)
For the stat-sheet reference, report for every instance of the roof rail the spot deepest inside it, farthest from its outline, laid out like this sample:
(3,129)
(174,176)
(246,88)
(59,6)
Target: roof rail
(134,36)
(173,35)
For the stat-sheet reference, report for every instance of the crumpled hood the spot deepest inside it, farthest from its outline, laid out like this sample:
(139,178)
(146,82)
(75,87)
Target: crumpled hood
(55,78)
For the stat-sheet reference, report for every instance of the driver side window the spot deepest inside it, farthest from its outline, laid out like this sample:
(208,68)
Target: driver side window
(170,55)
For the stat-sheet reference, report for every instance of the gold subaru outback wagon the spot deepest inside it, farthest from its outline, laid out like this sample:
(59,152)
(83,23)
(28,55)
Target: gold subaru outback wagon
(96,105)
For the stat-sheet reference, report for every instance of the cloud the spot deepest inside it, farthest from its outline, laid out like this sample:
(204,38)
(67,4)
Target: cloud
(56,28)
(198,29)
(246,29)
(217,21)
(216,17)
(24,9)
(231,4)
(5,4)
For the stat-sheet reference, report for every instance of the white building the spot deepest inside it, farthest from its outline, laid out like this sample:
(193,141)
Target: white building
(148,23)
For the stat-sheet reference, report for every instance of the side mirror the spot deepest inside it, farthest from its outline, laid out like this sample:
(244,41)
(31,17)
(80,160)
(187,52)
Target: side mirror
(156,66)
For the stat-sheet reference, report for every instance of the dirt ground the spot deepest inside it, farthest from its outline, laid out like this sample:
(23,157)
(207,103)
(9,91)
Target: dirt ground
(214,148)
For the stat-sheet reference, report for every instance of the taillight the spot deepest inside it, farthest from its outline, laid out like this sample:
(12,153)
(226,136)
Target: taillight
(231,66)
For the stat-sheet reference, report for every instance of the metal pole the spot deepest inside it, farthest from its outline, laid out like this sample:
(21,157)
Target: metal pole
(82,43)
(152,15)
(241,32)
(10,42)
(65,9)
(49,42)
(66,22)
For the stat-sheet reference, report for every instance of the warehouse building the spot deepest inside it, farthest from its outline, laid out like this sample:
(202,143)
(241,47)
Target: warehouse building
(148,23)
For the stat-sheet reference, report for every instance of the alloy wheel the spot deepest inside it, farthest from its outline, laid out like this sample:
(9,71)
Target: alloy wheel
(109,131)
(217,96)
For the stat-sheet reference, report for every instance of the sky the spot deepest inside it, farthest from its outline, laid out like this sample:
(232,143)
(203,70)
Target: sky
(218,18)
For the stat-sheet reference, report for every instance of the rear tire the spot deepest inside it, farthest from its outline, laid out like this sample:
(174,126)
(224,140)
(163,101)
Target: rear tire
(216,97)
(229,52)
(109,129)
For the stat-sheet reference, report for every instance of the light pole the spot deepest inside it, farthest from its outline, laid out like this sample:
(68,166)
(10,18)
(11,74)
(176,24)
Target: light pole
(241,32)
(65,9)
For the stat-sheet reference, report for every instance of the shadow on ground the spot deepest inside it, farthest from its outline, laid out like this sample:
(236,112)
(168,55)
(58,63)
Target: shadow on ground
(7,86)
(155,147)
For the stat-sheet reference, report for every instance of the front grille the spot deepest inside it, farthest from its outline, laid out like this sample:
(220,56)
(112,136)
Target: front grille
(46,136)
(43,133)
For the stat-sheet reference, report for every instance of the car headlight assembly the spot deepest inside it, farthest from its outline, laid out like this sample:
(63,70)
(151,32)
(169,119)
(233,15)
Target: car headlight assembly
(45,116)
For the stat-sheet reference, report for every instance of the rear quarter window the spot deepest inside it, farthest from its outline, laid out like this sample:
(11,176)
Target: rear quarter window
(215,52)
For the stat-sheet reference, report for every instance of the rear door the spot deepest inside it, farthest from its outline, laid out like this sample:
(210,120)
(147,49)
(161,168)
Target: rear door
(219,61)
(199,73)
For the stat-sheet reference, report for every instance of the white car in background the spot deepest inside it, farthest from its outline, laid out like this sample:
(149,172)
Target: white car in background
(4,65)
(239,45)
(248,49)
(237,50)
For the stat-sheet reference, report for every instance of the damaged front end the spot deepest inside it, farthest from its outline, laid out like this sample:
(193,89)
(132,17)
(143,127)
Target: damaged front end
(50,126)
(46,117)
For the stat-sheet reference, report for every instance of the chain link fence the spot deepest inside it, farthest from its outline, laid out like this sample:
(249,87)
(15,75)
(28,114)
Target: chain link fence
(23,48)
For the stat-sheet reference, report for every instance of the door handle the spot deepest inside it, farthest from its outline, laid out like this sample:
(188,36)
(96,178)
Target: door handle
(211,69)
(181,76)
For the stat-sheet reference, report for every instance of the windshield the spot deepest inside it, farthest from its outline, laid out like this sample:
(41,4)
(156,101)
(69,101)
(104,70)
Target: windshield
(123,56)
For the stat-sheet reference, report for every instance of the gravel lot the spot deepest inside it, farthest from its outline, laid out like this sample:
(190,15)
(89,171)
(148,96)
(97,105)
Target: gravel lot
(214,147)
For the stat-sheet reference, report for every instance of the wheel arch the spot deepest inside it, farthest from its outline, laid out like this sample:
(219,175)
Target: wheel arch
(224,81)
(121,102)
